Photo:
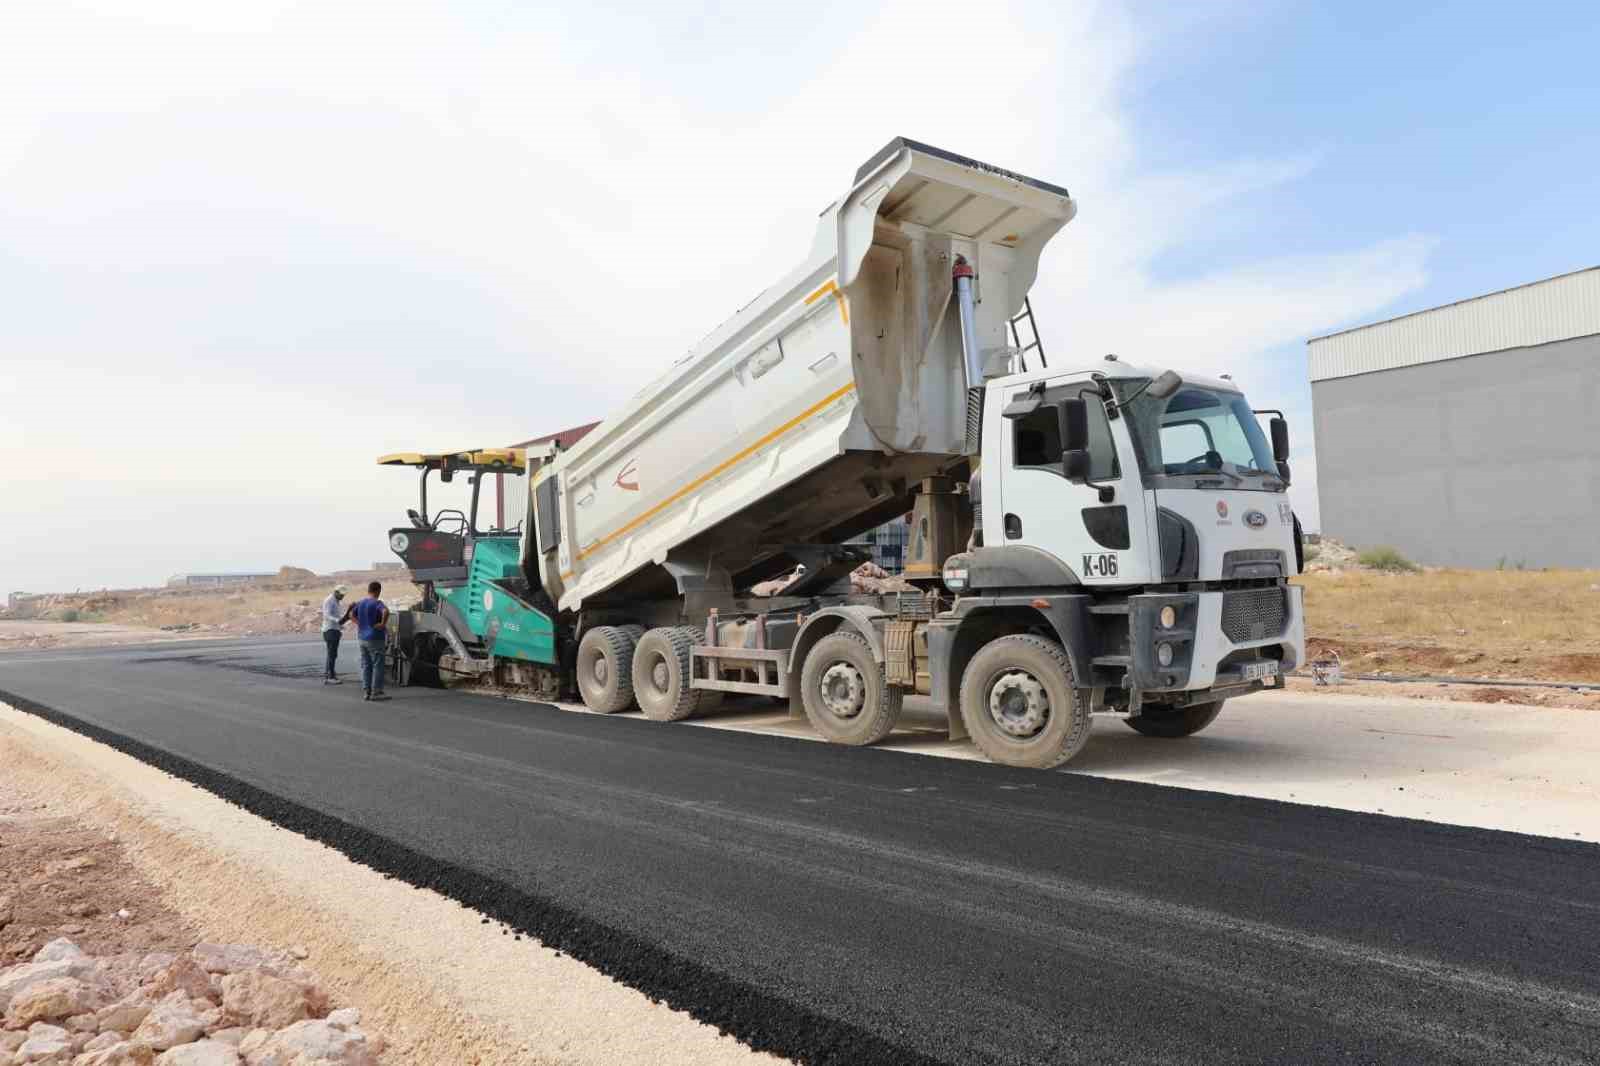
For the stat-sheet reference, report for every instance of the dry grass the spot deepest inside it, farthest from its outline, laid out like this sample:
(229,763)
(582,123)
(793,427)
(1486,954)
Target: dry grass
(273,606)
(1534,624)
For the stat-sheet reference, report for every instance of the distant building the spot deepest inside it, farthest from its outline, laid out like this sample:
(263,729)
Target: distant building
(397,565)
(18,599)
(219,579)
(1466,435)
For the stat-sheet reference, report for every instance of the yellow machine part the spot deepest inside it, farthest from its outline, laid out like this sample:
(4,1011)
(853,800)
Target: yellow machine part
(504,460)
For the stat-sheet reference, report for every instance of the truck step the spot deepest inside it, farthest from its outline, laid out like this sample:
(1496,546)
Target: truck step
(1108,608)
(1123,661)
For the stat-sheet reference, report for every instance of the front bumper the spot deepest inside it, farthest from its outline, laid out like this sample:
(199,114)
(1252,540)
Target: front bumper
(1216,636)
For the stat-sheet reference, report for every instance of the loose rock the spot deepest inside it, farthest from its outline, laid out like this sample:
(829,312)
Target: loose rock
(175,1020)
(125,1015)
(184,975)
(18,978)
(44,1042)
(59,948)
(259,999)
(347,1018)
(122,1053)
(204,1053)
(308,1043)
(50,1001)
(102,1042)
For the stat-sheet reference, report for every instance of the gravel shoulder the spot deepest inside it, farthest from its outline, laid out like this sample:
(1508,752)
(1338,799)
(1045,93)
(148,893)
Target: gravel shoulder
(442,984)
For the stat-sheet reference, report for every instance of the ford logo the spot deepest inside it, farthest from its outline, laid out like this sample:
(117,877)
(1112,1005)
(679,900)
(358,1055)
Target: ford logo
(1255,519)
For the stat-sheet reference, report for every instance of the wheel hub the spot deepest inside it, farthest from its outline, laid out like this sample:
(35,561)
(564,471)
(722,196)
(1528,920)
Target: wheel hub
(843,690)
(1018,704)
(659,676)
(601,671)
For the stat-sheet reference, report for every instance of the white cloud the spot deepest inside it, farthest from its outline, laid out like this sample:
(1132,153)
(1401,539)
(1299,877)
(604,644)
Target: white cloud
(257,245)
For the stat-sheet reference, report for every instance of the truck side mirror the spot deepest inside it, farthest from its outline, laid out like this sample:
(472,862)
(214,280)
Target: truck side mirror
(1280,439)
(1074,418)
(1075,464)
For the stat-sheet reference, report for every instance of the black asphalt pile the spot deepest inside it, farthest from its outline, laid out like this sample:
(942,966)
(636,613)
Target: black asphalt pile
(839,905)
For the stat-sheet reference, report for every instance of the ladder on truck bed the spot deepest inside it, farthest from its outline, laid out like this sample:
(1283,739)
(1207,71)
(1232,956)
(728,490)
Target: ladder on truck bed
(1033,327)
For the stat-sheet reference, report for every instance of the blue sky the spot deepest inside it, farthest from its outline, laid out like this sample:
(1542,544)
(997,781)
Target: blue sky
(245,248)
(1473,124)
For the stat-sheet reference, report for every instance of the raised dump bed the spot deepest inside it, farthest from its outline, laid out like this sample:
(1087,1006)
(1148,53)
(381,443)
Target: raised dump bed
(843,386)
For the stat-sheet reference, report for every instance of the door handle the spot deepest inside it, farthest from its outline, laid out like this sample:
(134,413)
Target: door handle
(1013,527)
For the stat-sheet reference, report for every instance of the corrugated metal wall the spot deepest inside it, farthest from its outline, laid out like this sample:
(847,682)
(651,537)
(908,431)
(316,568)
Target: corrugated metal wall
(1555,309)
(512,500)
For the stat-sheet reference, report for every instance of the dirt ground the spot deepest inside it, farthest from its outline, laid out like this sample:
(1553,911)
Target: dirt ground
(1516,625)
(1455,693)
(288,604)
(62,878)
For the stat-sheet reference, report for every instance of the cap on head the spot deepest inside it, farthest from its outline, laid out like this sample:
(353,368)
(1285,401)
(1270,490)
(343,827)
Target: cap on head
(340,590)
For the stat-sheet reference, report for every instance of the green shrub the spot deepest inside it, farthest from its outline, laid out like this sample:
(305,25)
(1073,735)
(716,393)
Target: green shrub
(1386,558)
(69,615)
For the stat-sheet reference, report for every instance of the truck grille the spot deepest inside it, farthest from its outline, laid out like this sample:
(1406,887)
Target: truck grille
(1254,614)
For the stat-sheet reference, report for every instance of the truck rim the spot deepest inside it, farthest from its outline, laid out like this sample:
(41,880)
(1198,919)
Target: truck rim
(600,670)
(843,690)
(1019,704)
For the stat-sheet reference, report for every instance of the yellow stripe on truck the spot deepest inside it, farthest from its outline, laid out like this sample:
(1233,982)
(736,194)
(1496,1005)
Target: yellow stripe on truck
(720,468)
(833,287)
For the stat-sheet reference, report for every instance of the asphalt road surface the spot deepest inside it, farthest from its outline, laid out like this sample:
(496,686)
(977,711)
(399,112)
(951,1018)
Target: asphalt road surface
(852,906)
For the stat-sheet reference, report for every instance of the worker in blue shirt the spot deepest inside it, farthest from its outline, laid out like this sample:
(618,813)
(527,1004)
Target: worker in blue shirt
(372,619)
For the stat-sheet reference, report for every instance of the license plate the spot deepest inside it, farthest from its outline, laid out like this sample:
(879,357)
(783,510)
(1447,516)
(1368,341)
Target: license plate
(1256,671)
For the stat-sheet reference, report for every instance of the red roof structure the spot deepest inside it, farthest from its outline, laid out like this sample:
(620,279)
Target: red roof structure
(566,438)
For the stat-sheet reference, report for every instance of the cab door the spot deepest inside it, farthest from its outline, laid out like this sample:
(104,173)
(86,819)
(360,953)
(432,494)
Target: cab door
(1104,542)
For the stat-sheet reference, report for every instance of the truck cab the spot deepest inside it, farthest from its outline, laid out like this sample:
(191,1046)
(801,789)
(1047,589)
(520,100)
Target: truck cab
(1146,514)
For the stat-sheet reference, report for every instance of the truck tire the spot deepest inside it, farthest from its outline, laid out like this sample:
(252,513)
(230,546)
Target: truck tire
(661,674)
(1020,703)
(1172,723)
(605,669)
(846,694)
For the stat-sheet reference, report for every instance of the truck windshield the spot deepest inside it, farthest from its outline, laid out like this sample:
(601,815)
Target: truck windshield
(1197,432)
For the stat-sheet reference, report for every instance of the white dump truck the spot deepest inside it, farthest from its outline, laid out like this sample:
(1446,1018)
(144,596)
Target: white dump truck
(1089,537)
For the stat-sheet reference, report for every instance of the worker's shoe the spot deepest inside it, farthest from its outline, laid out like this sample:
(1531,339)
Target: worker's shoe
(376,696)
(332,681)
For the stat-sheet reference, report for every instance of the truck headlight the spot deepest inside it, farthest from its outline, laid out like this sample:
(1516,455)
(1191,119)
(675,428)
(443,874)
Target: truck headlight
(955,578)
(1169,618)
(1164,652)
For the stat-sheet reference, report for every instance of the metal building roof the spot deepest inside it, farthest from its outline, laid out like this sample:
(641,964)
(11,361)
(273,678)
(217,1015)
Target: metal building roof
(1555,309)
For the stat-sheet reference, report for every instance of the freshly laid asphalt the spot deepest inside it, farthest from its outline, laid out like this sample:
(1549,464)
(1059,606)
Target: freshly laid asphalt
(853,906)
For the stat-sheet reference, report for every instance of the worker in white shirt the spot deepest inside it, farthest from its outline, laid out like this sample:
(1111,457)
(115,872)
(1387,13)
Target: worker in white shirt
(334,615)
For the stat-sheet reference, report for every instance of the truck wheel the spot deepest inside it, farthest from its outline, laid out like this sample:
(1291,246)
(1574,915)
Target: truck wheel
(1174,722)
(846,695)
(605,669)
(1020,705)
(661,675)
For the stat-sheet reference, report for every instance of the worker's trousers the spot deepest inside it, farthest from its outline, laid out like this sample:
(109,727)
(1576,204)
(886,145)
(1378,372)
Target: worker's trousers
(372,655)
(331,638)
